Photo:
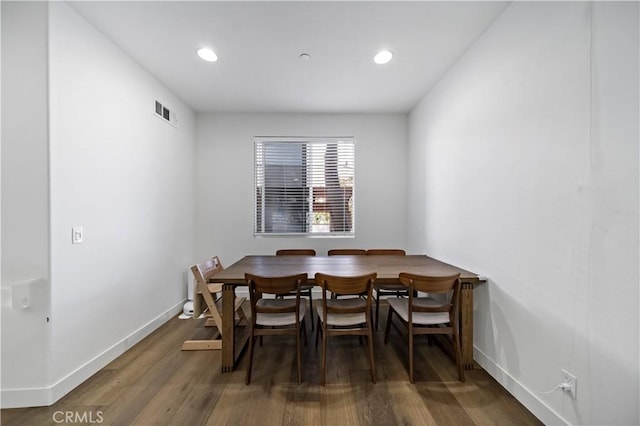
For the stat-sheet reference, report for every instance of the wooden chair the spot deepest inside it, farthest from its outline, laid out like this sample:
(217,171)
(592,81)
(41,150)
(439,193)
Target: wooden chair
(345,316)
(386,252)
(428,315)
(345,252)
(276,316)
(342,252)
(296,252)
(208,297)
(396,290)
(306,289)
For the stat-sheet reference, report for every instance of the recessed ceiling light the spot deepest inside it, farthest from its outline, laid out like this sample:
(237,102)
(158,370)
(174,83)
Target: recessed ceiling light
(383,57)
(305,56)
(207,54)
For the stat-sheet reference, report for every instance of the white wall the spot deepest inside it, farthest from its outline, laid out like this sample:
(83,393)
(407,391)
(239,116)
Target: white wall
(25,201)
(225,180)
(127,177)
(524,166)
(124,175)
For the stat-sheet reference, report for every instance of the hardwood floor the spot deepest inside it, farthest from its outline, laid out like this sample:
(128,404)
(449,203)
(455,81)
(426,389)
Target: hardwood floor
(155,383)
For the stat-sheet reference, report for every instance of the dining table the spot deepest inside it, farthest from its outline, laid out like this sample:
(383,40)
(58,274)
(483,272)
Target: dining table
(387,269)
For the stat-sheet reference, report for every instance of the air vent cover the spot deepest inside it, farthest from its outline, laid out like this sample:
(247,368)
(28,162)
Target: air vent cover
(163,112)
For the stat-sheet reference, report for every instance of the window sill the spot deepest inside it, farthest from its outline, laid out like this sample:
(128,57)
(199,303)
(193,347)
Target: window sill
(310,236)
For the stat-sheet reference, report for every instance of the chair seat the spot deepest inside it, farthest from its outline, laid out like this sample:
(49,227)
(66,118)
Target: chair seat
(344,319)
(391,287)
(401,306)
(305,288)
(279,319)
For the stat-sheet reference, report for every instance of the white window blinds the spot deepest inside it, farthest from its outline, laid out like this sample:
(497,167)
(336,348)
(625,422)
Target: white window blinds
(304,186)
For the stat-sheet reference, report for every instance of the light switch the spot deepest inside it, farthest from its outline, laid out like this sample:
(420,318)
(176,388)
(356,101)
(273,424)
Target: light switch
(21,295)
(77,235)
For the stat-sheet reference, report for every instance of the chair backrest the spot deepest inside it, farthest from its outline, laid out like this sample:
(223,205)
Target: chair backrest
(386,252)
(259,285)
(296,252)
(203,271)
(341,252)
(360,286)
(445,285)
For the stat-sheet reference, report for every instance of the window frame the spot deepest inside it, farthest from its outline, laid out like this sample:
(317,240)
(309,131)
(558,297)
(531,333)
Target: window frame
(306,142)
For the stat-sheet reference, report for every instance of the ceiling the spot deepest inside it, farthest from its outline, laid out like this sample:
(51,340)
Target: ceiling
(259,46)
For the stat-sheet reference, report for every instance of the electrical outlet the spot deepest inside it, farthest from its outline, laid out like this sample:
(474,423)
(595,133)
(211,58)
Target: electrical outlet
(570,383)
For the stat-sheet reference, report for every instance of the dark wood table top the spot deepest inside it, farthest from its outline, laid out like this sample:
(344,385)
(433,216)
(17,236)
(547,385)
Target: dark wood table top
(387,267)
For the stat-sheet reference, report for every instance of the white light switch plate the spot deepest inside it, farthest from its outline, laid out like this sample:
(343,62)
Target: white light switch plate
(77,235)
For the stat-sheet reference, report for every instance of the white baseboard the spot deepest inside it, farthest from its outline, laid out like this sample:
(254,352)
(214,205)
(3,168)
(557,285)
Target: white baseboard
(27,397)
(45,396)
(530,400)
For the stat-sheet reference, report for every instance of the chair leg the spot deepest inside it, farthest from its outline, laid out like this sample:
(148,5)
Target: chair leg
(251,345)
(324,355)
(388,328)
(377,307)
(311,308)
(458,353)
(372,363)
(318,330)
(410,353)
(298,351)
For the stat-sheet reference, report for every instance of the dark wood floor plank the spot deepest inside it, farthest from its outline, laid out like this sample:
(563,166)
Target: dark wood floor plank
(150,371)
(155,383)
(207,385)
(373,400)
(172,393)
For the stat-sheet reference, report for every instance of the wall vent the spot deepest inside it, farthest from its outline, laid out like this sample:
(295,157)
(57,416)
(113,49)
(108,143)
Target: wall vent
(163,112)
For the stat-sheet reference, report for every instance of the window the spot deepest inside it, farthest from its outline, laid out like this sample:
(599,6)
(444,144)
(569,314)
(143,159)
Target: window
(304,186)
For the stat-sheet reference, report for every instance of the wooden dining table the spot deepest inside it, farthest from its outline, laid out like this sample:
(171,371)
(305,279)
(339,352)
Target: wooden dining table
(387,268)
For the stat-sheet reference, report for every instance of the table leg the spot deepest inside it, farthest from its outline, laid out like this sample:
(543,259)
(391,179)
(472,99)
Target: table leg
(466,324)
(228,327)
